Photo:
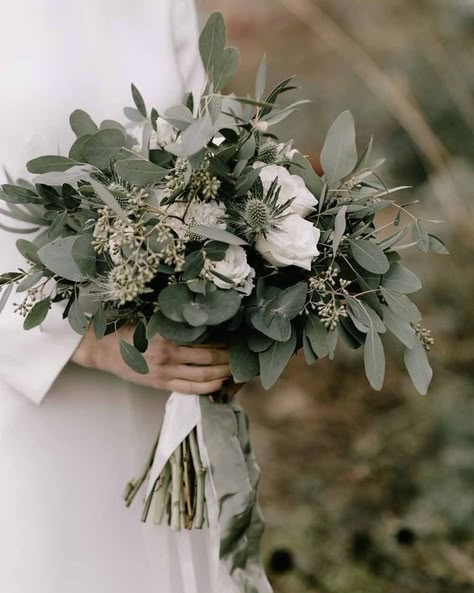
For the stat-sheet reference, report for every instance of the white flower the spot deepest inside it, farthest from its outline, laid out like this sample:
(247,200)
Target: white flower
(204,213)
(291,186)
(233,267)
(165,133)
(294,243)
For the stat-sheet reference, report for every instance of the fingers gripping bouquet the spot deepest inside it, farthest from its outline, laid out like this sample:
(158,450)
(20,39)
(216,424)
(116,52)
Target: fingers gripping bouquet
(209,229)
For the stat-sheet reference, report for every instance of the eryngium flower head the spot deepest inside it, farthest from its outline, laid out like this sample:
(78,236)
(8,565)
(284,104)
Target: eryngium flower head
(257,214)
(261,212)
(268,153)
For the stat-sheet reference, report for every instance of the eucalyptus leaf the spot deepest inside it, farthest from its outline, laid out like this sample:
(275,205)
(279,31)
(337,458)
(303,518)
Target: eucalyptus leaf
(401,279)
(76,150)
(37,314)
(258,342)
(29,281)
(317,335)
(181,333)
(401,305)
(140,172)
(437,246)
(71,175)
(100,322)
(399,327)
(369,255)
(364,317)
(339,228)
(212,40)
(374,360)
(57,257)
(195,315)
(418,367)
(152,326)
(140,340)
(133,358)
(220,305)
(58,224)
(84,254)
(50,163)
(172,300)
(5,295)
(339,153)
(77,318)
(309,353)
(277,327)
(82,123)
(102,146)
(304,169)
(138,100)
(29,251)
(244,364)
(179,116)
(225,67)
(420,235)
(19,195)
(274,360)
(261,79)
(289,302)
(194,138)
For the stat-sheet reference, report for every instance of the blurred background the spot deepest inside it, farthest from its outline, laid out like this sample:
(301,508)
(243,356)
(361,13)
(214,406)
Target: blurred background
(368,492)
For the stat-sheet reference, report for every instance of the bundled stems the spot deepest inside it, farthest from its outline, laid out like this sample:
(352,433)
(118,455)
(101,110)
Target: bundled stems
(178,496)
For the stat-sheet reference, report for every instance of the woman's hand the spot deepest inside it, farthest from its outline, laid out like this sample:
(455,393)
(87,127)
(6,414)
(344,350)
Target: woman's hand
(197,370)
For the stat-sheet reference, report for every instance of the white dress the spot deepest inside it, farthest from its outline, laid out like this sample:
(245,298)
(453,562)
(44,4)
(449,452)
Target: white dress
(70,438)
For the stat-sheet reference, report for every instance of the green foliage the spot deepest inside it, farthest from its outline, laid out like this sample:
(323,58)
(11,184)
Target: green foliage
(37,314)
(141,229)
(339,152)
(133,358)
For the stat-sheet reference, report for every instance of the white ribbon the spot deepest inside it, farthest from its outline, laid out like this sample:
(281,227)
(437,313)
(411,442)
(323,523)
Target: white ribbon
(184,413)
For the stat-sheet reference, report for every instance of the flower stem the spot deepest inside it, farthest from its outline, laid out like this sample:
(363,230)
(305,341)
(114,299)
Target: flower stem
(176,487)
(200,481)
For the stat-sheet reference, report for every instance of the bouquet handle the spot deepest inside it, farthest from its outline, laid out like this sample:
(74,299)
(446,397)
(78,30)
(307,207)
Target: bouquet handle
(230,478)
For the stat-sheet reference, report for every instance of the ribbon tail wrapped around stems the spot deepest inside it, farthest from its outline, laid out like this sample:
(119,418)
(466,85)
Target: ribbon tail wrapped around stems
(202,472)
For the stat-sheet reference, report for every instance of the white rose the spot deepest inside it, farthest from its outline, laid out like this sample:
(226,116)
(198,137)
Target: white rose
(204,213)
(291,186)
(294,243)
(165,133)
(235,268)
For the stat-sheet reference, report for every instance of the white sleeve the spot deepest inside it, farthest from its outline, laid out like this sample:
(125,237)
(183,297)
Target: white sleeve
(185,31)
(31,360)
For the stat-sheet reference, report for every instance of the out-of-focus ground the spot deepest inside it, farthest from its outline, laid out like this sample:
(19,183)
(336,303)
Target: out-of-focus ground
(369,492)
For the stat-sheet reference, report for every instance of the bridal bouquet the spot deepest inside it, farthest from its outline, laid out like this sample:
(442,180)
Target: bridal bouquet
(201,225)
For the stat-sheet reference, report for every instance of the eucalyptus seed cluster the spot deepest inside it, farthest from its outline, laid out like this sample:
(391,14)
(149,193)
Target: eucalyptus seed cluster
(330,313)
(331,290)
(111,233)
(177,178)
(174,254)
(424,336)
(201,182)
(31,297)
(129,279)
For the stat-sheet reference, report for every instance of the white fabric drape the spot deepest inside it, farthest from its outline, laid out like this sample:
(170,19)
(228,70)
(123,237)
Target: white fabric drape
(64,463)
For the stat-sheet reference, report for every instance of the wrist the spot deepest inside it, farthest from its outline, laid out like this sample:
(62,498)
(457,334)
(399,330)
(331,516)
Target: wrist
(86,354)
